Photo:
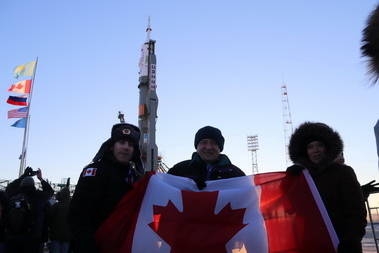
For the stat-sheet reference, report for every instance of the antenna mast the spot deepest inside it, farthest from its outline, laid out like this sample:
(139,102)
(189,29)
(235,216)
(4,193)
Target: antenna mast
(287,121)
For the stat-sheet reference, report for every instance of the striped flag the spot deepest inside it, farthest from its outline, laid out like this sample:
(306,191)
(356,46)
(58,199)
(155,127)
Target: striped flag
(265,213)
(18,113)
(25,70)
(17,100)
(21,87)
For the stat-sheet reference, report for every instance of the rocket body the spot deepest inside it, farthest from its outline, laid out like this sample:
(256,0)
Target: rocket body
(148,105)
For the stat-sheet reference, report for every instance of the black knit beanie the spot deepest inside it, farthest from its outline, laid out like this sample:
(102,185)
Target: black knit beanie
(209,132)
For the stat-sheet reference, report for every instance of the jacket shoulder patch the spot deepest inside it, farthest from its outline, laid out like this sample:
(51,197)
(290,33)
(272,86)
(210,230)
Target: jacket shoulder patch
(89,172)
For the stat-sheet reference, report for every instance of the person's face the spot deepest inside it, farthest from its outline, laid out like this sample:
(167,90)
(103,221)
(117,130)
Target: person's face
(340,159)
(316,151)
(208,150)
(123,151)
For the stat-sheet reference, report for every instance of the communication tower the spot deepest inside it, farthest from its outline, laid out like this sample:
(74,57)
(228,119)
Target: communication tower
(252,145)
(287,122)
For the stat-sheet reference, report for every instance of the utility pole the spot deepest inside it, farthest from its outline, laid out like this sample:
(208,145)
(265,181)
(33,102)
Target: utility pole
(148,102)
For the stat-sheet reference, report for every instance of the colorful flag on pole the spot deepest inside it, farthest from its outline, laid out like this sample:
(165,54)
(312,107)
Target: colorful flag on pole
(21,123)
(264,213)
(21,87)
(17,100)
(18,113)
(25,70)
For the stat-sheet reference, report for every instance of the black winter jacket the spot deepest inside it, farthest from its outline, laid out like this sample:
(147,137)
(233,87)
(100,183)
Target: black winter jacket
(38,200)
(59,230)
(337,184)
(200,172)
(95,197)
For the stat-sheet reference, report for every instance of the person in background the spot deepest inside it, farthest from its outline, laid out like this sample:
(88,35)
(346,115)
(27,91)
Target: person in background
(368,188)
(340,158)
(30,241)
(3,204)
(207,163)
(103,183)
(315,146)
(60,234)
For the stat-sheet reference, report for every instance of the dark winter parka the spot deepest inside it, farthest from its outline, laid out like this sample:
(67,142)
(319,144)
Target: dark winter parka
(59,230)
(38,200)
(336,183)
(200,171)
(100,187)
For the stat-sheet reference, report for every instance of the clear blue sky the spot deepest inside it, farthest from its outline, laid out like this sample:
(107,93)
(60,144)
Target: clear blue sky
(220,63)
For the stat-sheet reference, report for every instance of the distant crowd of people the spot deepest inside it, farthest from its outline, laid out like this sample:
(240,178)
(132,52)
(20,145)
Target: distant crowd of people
(29,219)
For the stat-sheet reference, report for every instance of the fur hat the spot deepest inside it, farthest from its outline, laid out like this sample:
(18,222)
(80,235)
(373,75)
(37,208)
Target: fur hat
(370,44)
(311,131)
(125,131)
(27,181)
(122,131)
(209,132)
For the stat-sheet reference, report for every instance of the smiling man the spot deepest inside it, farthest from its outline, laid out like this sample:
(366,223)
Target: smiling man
(207,163)
(103,183)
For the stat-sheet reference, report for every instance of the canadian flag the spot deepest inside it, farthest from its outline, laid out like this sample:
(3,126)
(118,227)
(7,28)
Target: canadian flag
(262,213)
(89,172)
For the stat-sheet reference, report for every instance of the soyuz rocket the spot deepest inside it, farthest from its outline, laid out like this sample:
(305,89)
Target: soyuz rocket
(148,103)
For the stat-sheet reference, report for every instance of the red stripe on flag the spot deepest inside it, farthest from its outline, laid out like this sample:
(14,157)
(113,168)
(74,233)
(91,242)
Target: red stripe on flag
(293,220)
(116,234)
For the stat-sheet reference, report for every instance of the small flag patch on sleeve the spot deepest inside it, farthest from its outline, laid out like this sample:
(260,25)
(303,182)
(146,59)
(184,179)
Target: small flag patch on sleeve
(89,172)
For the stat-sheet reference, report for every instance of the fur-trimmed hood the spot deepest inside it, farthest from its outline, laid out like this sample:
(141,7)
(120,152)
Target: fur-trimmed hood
(311,131)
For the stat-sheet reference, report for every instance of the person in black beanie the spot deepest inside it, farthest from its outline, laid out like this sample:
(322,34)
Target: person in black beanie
(207,163)
(102,184)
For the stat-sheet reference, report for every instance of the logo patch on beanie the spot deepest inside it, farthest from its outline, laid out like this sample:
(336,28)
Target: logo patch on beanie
(126,131)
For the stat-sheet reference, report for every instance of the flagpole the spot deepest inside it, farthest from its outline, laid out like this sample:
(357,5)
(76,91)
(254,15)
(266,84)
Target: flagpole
(26,130)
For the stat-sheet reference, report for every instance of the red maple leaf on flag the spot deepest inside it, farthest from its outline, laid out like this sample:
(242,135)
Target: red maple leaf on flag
(19,86)
(197,229)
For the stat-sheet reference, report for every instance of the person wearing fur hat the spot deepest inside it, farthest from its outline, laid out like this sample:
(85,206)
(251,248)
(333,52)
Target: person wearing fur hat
(315,146)
(207,163)
(102,184)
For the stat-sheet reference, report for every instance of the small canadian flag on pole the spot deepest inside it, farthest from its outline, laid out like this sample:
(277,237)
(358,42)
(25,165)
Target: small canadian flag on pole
(90,172)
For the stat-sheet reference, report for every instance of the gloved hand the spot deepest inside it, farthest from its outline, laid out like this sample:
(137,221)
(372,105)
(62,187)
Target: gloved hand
(27,171)
(295,170)
(369,188)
